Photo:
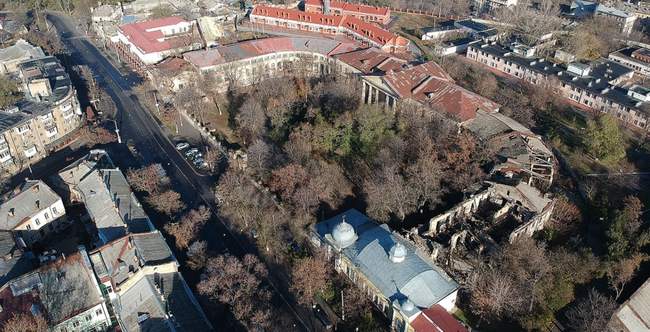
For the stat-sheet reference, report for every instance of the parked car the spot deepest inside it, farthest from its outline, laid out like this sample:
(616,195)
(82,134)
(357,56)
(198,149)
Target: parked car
(190,153)
(182,146)
(322,317)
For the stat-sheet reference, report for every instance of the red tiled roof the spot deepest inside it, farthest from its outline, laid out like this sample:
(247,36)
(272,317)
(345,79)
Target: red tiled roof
(352,7)
(371,59)
(436,319)
(257,47)
(429,84)
(150,41)
(364,29)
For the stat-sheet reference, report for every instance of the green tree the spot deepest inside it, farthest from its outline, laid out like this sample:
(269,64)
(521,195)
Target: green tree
(604,139)
(375,127)
(623,230)
(9,93)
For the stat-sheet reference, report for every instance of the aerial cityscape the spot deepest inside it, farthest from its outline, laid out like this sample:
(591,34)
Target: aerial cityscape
(324,165)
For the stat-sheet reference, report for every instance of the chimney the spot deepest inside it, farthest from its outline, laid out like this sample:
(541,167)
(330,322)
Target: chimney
(12,212)
(38,204)
(326,7)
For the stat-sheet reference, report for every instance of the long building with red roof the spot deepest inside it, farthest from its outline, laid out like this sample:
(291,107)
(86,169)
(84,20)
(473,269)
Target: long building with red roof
(149,42)
(363,12)
(367,33)
(430,86)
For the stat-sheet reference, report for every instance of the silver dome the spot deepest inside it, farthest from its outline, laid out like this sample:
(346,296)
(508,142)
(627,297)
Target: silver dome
(344,234)
(397,253)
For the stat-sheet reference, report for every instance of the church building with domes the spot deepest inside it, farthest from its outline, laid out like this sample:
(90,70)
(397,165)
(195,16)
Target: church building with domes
(404,284)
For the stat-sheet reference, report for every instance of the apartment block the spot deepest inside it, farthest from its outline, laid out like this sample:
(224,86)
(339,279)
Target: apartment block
(599,86)
(380,15)
(36,124)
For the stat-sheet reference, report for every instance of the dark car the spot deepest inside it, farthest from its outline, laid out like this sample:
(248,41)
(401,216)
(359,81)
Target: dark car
(322,317)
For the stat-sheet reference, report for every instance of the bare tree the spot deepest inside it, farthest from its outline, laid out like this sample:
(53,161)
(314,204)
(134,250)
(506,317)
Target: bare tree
(259,157)
(147,179)
(310,276)
(591,313)
(238,284)
(167,202)
(197,255)
(621,272)
(25,323)
(189,226)
(251,120)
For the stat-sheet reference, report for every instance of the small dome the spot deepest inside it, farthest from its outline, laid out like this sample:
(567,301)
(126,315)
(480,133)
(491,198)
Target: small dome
(397,253)
(407,305)
(344,234)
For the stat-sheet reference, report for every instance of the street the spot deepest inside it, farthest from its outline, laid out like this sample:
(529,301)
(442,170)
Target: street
(138,127)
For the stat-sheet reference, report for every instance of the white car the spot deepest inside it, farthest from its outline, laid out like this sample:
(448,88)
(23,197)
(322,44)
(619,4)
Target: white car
(182,146)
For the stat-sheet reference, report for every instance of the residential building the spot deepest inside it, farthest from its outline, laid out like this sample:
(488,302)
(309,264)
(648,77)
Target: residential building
(635,57)
(15,260)
(429,86)
(145,43)
(139,274)
(12,56)
(106,13)
(112,208)
(598,86)
(44,119)
(363,12)
(581,9)
(490,5)
(64,292)
(401,282)
(31,211)
(367,34)
(634,314)
(248,62)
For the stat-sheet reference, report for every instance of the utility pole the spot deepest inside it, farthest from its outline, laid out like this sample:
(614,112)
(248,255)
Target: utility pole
(342,307)
(117,132)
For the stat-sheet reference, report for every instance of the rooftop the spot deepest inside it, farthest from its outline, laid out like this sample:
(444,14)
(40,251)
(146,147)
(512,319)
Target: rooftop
(258,47)
(50,69)
(107,196)
(26,200)
(372,60)
(430,85)
(13,261)
(415,277)
(603,78)
(149,38)
(161,302)
(353,24)
(436,318)
(351,7)
(119,258)
(634,314)
(20,50)
(58,290)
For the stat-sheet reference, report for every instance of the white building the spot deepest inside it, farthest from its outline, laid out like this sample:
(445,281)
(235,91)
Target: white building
(31,211)
(149,42)
(401,282)
(12,56)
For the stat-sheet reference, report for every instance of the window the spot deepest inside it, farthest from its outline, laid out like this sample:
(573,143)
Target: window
(28,227)
(89,317)
(75,324)
(37,221)
(54,210)
(99,312)
(47,216)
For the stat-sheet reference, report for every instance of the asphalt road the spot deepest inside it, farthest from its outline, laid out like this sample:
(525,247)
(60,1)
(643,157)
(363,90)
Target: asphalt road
(137,126)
